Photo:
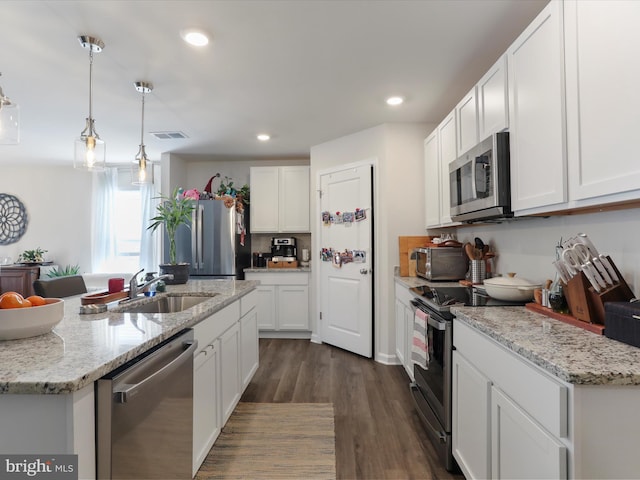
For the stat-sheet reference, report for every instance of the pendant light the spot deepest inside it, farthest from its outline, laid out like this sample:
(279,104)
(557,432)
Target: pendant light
(143,171)
(89,148)
(9,120)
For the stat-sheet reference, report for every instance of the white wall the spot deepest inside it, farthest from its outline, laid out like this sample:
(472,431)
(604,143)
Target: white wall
(527,246)
(398,180)
(58,203)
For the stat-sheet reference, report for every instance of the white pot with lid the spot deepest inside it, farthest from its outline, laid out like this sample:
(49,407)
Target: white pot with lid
(510,288)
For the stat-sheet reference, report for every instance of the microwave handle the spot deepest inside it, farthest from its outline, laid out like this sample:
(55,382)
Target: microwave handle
(474,190)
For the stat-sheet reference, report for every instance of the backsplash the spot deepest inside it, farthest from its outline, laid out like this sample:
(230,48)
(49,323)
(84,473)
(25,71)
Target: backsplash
(527,246)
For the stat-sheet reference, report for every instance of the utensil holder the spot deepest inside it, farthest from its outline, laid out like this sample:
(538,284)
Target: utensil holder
(478,271)
(588,305)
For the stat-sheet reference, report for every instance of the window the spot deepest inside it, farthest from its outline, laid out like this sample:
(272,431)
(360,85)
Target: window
(128,228)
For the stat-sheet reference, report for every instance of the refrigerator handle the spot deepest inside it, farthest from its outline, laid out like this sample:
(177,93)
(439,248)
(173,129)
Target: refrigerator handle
(201,236)
(194,243)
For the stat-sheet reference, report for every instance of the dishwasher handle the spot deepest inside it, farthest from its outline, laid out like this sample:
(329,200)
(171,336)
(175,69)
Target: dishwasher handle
(127,391)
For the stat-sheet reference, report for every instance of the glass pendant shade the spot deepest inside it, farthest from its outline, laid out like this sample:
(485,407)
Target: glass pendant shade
(142,172)
(9,121)
(90,149)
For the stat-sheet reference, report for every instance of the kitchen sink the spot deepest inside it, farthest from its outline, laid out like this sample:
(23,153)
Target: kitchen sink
(171,304)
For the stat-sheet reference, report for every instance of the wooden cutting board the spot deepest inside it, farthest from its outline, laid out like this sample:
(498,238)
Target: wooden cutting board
(406,246)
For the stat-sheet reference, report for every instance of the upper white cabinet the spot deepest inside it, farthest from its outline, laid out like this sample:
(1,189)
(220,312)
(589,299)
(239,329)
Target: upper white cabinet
(279,199)
(432,180)
(493,100)
(448,153)
(439,150)
(602,46)
(467,122)
(537,113)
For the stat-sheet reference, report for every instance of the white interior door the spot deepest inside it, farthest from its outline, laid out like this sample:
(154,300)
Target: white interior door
(346,287)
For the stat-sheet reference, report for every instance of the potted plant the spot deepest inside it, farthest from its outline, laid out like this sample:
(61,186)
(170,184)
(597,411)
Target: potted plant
(172,212)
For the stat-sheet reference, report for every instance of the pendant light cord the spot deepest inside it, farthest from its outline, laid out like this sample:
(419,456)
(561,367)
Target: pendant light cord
(90,89)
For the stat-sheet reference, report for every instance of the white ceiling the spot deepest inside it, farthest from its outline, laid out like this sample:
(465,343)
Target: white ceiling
(305,71)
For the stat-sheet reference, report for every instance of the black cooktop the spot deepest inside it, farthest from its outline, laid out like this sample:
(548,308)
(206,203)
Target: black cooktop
(441,298)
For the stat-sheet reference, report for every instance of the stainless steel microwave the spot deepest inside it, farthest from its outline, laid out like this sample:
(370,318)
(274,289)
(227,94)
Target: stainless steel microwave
(480,181)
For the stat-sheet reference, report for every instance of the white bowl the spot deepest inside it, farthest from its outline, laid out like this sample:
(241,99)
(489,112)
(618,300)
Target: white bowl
(510,288)
(28,322)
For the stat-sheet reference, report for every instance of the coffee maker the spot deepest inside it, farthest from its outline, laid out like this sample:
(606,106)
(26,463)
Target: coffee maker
(283,249)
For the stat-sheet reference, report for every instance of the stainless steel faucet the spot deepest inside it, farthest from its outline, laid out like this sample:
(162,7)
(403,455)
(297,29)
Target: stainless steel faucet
(135,289)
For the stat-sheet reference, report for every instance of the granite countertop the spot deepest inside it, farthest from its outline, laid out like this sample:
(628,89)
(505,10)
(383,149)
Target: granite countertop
(277,270)
(83,348)
(572,354)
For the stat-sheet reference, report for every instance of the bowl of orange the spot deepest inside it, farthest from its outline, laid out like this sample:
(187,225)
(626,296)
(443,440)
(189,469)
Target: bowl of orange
(28,317)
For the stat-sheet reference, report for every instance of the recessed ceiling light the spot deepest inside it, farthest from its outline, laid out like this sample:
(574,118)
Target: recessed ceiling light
(263,137)
(394,100)
(194,37)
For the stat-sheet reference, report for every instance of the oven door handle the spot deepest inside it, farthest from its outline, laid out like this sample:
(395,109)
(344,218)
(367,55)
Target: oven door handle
(424,410)
(442,326)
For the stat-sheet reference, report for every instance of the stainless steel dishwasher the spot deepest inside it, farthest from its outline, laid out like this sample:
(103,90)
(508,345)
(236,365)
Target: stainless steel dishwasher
(144,419)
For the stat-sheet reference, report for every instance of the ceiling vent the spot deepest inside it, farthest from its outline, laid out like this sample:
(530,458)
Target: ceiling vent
(169,135)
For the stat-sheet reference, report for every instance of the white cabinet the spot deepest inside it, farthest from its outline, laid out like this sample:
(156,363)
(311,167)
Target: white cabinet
(283,301)
(537,114)
(230,382)
(520,448)
(432,180)
(602,47)
(493,100)
(439,151)
(225,362)
(279,199)
(471,438)
(448,153)
(524,431)
(404,328)
(206,403)
(467,122)
(248,337)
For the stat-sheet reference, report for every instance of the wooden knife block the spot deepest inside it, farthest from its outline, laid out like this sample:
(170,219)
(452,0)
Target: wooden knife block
(588,305)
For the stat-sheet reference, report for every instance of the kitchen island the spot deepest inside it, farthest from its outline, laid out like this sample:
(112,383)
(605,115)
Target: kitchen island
(535,396)
(47,401)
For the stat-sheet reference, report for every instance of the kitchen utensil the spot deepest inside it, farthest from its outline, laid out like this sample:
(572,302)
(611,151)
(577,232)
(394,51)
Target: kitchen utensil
(510,288)
(470,251)
(478,271)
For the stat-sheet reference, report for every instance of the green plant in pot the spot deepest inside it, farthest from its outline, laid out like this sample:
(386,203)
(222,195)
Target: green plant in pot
(172,212)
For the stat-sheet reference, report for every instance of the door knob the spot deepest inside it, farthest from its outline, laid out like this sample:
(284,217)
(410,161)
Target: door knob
(364,271)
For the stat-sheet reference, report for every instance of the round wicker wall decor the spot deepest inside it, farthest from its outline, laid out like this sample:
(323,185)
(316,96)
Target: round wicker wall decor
(13,219)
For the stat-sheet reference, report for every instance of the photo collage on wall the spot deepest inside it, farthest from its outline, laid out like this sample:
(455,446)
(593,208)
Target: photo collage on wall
(339,258)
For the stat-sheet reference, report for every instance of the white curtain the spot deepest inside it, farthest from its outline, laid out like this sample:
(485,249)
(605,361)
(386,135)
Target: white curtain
(103,231)
(149,243)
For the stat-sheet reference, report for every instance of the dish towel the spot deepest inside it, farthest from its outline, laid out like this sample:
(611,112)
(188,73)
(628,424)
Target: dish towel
(420,343)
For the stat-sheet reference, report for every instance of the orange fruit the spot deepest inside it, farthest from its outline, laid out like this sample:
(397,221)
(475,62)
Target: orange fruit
(11,300)
(36,300)
(26,303)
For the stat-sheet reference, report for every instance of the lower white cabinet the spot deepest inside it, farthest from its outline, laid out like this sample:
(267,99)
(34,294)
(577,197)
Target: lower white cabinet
(224,364)
(404,328)
(520,447)
(510,419)
(283,301)
(230,383)
(471,433)
(206,403)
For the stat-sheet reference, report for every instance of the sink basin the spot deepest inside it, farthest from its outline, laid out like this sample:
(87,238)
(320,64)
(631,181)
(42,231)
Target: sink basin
(171,304)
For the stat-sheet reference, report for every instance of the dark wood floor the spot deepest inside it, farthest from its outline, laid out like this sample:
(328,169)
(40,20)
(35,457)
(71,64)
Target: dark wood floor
(378,433)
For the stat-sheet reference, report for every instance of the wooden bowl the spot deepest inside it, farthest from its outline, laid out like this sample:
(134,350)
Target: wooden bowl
(28,322)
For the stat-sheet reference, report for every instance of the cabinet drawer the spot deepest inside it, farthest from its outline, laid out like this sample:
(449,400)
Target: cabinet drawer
(248,303)
(288,278)
(212,327)
(403,295)
(542,396)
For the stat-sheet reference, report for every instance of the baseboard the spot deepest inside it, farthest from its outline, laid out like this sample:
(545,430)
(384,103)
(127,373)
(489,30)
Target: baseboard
(385,359)
(280,334)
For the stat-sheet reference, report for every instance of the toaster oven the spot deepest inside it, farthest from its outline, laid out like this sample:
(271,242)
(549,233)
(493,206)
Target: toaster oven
(441,263)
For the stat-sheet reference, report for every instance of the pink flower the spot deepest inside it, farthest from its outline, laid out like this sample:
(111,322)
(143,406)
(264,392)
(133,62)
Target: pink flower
(192,194)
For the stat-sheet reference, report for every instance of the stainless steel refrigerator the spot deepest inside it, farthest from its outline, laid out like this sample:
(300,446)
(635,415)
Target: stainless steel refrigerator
(215,244)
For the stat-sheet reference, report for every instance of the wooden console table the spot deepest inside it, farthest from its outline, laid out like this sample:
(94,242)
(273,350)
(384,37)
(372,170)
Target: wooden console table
(16,278)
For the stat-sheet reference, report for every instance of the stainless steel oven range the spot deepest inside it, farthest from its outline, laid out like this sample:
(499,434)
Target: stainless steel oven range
(431,389)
